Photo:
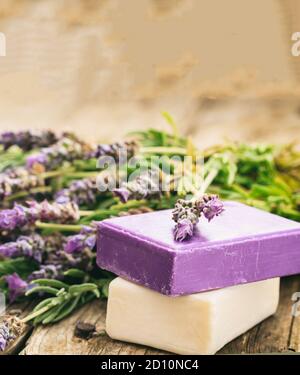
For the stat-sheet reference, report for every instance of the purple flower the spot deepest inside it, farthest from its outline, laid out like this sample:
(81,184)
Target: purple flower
(66,149)
(36,159)
(186,213)
(49,271)
(27,140)
(17,287)
(122,193)
(211,206)
(82,192)
(11,219)
(86,239)
(183,229)
(4,336)
(146,185)
(33,246)
(20,216)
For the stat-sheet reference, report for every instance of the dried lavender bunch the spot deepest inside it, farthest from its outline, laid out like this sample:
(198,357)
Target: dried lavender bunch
(65,150)
(5,336)
(86,239)
(186,214)
(33,246)
(145,186)
(21,216)
(27,140)
(18,179)
(119,151)
(82,192)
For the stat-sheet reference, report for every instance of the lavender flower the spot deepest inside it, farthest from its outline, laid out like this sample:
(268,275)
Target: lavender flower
(18,179)
(27,140)
(86,239)
(21,216)
(16,286)
(186,214)
(49,271)
(184,228)
(82,192)
(65,150)
(119,151)
(4,336)
(145,186)
(211,206)
(60,261)
(33,246)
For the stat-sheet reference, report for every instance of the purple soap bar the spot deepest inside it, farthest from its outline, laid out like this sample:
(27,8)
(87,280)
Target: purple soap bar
(242,245)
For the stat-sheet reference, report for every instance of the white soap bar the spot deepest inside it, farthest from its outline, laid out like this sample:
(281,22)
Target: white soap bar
(200,323)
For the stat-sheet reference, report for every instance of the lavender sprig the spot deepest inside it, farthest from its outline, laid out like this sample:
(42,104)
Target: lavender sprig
(82,192)
(186,214)
(33,246)
(27,140)
(21,216)
(18,179)
(65,150)
(86,239)
(118,151)
(145,186)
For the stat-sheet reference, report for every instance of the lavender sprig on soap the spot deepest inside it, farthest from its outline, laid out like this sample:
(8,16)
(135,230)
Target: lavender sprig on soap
(186,214)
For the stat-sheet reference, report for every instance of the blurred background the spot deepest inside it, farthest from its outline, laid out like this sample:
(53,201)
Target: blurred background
(223,69)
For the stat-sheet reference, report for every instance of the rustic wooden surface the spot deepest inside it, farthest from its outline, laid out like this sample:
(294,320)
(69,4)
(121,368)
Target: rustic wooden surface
(277,334)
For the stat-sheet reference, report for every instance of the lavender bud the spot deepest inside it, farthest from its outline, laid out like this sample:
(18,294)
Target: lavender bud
(21,216)
(16,286)
(145,186)
(82,192)
(86,239)
(210,206)
(119,151)
(27,140)
(183,229)
(65,150)
(33,246)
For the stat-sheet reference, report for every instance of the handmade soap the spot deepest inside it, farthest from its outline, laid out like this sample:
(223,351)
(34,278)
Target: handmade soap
(200,323)
(242,245)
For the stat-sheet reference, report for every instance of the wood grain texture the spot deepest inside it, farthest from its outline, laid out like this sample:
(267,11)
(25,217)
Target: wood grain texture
(280,333)
(60,339)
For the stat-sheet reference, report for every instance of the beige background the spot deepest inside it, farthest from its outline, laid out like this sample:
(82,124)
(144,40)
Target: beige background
(103,67)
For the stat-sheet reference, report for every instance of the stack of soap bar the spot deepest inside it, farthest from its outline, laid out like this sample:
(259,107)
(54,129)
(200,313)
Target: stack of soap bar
(200,323)
(242,245)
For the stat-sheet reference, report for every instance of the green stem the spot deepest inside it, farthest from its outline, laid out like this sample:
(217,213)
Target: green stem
(58,227)
(86,212)
(36,313)
(21,194)
(164,150)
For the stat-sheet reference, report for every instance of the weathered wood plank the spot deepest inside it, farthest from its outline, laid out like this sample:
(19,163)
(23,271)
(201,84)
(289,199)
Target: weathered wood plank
(60,339)
(276,334)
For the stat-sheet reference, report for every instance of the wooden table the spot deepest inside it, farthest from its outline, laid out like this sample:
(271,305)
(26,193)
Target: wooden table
(279,333)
